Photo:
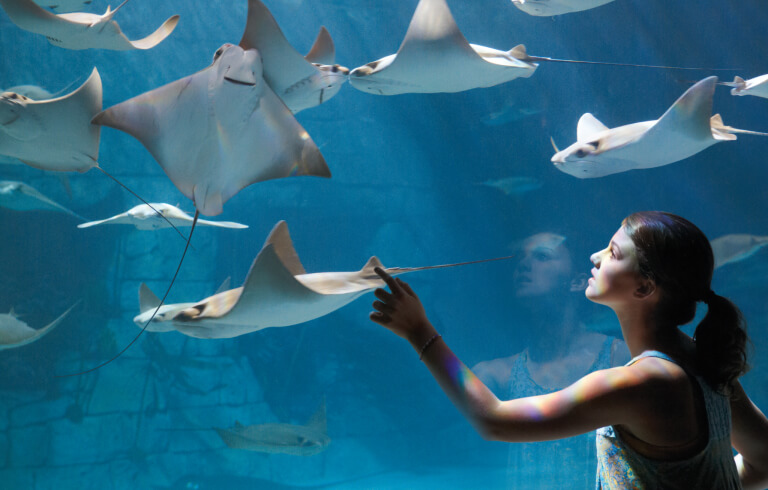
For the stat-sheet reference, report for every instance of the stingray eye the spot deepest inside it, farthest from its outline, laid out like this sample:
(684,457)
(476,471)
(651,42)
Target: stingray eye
(586,150)
(219,52)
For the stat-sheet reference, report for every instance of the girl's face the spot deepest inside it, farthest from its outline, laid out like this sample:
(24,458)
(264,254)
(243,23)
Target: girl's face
(545,266)
(615,276)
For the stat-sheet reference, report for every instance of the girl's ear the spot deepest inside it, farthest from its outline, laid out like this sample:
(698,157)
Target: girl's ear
(645,289)
(579,283)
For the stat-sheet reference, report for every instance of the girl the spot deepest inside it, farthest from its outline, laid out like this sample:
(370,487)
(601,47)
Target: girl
(669,418)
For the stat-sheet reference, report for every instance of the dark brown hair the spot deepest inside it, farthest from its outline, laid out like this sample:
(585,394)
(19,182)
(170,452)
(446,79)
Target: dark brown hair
(677,256)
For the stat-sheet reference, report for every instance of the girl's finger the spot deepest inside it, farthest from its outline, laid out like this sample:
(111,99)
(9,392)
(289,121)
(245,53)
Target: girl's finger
(393,285)
(406,287)
(383,295)
(380,318)
(382,307)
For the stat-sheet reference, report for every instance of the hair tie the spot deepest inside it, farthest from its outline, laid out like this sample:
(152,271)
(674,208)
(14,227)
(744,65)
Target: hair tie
(709,296)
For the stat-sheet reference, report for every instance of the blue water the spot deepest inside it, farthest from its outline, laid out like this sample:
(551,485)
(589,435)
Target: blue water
(405,187)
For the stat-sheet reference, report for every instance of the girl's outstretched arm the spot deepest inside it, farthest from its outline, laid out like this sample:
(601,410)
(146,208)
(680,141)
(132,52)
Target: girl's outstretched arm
(599,399)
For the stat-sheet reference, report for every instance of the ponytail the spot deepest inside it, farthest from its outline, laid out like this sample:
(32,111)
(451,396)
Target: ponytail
(721,343)
(678,257)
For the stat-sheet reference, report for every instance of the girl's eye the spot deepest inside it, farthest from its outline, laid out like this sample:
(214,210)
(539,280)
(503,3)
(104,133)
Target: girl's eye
(613,255)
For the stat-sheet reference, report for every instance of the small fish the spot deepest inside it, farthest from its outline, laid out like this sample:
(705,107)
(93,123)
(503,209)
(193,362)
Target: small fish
(514,186)
(509,114)
(297,440)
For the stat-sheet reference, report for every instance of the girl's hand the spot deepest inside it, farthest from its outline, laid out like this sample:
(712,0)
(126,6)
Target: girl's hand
(401,311)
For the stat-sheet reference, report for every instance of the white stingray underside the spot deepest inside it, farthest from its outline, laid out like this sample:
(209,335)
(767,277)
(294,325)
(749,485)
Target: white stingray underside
(219,130)
(685,129)
(545,8)
(54,134)
(81,30)
(435,57)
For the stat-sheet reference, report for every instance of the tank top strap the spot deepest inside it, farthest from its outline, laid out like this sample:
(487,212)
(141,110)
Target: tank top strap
(654,353)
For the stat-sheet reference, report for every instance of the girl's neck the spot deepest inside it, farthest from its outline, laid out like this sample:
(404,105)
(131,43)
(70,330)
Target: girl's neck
(642,333)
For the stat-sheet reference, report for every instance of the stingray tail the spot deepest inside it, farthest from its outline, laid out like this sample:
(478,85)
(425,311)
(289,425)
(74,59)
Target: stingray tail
(403,270)
(178,268)
(717,125)
(609,63)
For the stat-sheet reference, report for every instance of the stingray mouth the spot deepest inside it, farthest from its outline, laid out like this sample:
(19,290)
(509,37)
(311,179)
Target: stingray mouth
(240,82)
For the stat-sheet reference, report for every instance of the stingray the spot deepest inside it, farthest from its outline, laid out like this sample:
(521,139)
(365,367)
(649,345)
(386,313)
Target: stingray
(216,132)
(545,8)
(15,333)
(300,81)
(684,130)
(754,86)
(81,30)
(159,215)
(22,197)
(219,130)
(298,440)
(277,292)
(435,57)
(736,247)
(54,134)
(63,6)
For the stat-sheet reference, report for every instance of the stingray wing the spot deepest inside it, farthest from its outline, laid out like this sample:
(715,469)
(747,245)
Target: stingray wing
(165,29)
(165,120)
(33,335)
(273,297)
(119,219)
(65,138)
(45,203)
(110,36)
(589,127)
(323,51)
(684,129)
(214,134)
(29,16)
(284,67)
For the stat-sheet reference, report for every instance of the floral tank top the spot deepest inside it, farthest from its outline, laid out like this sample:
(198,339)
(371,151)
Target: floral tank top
(620,467)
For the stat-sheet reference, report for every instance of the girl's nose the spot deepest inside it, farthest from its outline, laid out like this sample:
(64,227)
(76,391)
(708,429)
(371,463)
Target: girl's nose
(595,259)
